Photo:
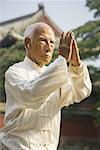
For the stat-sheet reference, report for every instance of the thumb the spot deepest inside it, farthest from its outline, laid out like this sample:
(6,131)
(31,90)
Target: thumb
(74,45)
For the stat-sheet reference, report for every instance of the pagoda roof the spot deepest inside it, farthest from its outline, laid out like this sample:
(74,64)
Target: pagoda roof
(20,23)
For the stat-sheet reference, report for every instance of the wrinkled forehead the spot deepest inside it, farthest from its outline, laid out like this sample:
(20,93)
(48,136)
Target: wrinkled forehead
(44,30)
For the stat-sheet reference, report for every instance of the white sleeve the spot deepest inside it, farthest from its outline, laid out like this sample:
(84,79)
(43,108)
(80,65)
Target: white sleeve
(33,94)
(77,87)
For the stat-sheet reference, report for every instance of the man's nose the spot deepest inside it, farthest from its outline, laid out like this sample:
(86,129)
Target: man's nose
(48,46)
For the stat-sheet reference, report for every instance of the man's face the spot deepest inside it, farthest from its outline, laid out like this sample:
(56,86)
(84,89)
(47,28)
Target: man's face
(42,46)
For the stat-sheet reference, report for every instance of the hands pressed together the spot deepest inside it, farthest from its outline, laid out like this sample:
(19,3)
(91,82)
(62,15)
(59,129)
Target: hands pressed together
(68,48)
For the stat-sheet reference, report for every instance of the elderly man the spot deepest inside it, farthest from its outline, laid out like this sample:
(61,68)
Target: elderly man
(36,93)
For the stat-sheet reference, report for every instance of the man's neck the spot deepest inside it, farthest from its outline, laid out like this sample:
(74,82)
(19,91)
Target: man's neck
(34,60)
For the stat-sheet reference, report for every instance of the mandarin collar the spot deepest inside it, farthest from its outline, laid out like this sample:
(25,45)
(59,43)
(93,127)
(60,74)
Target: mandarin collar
(33,65)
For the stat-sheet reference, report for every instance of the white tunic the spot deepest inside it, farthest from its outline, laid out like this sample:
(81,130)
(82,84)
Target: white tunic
(35,97)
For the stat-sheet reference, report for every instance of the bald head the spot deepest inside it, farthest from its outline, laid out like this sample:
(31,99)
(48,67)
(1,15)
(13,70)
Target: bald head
(33,29)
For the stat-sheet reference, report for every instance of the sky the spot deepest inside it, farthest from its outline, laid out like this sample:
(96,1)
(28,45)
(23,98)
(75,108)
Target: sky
(67,14)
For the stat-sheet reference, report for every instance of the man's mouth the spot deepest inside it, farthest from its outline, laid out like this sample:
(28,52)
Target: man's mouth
(47,55)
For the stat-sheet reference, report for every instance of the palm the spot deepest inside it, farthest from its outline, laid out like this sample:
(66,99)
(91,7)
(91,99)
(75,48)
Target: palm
(68,48)
(64,47)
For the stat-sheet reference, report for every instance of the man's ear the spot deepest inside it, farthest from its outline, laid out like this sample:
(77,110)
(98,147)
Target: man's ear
(27,42)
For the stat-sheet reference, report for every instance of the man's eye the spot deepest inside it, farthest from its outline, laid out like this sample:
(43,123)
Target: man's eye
(42,40)
(52,42)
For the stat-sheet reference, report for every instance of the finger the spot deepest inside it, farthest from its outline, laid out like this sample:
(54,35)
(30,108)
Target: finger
(70,53)
(74,45)
(68,33)
(75,54)
(68,39)
(72,40)
(62,38)
(72,35)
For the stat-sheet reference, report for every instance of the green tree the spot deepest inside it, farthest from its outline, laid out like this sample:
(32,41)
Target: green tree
(9,56)
(94,5)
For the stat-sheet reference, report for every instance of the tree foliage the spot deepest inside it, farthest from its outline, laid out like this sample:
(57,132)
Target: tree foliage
(7,41)
(88,38)
(94,5)
(9,56)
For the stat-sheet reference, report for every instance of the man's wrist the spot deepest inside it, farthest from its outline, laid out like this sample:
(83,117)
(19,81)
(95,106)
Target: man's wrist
(76,64)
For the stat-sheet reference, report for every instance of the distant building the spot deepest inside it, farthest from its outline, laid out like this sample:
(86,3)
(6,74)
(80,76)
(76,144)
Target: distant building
(16,27)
